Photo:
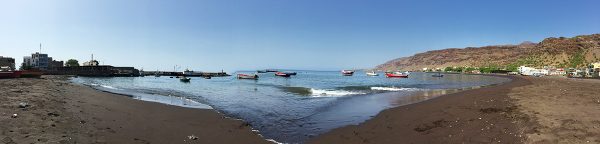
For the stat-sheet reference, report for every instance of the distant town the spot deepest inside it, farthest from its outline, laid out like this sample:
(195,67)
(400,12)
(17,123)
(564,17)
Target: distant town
(44,64)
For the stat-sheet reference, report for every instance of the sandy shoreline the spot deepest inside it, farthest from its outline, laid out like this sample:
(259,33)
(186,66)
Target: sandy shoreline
(525,110)
(61,112)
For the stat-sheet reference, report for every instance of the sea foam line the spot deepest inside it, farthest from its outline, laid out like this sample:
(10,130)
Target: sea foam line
(393,89)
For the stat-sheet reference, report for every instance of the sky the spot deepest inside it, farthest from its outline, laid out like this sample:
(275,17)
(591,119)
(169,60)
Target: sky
(230,35)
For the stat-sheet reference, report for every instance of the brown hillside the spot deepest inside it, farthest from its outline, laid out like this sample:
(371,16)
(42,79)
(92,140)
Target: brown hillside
(558,52)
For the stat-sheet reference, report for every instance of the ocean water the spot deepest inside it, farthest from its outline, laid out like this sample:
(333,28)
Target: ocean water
(294,109)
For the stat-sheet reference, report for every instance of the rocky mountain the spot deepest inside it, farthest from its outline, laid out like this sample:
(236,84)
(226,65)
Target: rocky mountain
(558,52)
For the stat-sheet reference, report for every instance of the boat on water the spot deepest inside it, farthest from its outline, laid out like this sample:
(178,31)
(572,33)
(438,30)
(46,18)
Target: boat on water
(282,74)
(437,75)
(184,79)
(271,70)
(291,73)
(261,71)
(396,75)
(247,76)
(372,73)
(10,74)
(207,77)
(347,72)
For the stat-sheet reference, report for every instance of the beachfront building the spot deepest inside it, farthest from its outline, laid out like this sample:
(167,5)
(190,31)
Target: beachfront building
(7,63)
(37,60)
(91,63)
(593,69)
(523,70)
(557,71)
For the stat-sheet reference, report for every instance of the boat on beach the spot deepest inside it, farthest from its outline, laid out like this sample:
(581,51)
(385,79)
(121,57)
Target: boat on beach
(372,73)
(10,74)
(31,74)
(396,75)
(247,76)
(282,74)
(347,72)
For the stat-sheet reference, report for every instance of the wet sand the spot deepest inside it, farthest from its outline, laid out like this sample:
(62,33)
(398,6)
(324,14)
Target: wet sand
(60,112)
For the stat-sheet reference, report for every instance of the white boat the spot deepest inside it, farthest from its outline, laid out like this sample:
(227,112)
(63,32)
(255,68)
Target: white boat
(372,73)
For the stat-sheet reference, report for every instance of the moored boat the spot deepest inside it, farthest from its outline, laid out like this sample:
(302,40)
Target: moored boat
(372,73)
(347,72)
(261,71)
(438,75)
(281,74)
(396,75)
(185,79)
(10,74)
(290,73)
(247,76)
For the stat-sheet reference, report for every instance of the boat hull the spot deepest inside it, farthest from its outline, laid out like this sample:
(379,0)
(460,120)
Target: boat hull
(10,74)
(282,74)
(389,75)
(245,76)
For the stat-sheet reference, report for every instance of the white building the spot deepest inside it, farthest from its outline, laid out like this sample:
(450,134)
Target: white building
(37,61)
(523,70)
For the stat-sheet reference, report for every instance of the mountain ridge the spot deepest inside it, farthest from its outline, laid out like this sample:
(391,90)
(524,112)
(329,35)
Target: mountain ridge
(573,52)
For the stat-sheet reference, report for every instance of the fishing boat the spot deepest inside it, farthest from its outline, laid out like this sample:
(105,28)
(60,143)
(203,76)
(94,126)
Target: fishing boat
(10,74)
(372,73)
(396,75)
(247,76)
(281,74)
(31,74)
(271,70)
(261,71)
(207,77)
(290,73)
(184,79)
(347,72)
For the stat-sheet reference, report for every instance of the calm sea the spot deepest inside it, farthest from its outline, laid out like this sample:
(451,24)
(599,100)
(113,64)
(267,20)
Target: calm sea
(293,109)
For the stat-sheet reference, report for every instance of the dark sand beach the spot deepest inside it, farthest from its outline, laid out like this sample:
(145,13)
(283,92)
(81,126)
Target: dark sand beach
(61,112)
(525,110)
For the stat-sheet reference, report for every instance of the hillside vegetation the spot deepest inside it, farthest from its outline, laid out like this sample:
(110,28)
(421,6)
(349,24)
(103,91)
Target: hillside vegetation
(575,52)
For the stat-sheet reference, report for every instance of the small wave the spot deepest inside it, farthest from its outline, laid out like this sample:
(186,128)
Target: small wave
(324,93)
(393,89)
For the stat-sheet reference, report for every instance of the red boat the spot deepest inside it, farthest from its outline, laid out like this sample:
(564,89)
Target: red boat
(396,75)
(347,72)
(246,76)
(10,74)
(282,74)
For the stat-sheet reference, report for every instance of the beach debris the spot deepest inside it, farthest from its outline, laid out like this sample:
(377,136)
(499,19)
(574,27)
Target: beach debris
(192,137)
(53,114)
(14,116)
(23,105)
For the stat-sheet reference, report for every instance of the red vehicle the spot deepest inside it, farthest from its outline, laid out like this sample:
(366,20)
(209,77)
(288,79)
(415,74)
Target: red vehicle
(282,74)
(396,75)
(10,74)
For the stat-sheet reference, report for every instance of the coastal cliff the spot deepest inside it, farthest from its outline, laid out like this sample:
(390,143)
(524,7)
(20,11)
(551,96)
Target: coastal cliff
(573,52)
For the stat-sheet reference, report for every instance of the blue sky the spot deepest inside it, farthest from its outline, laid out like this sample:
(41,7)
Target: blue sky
(234,35)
